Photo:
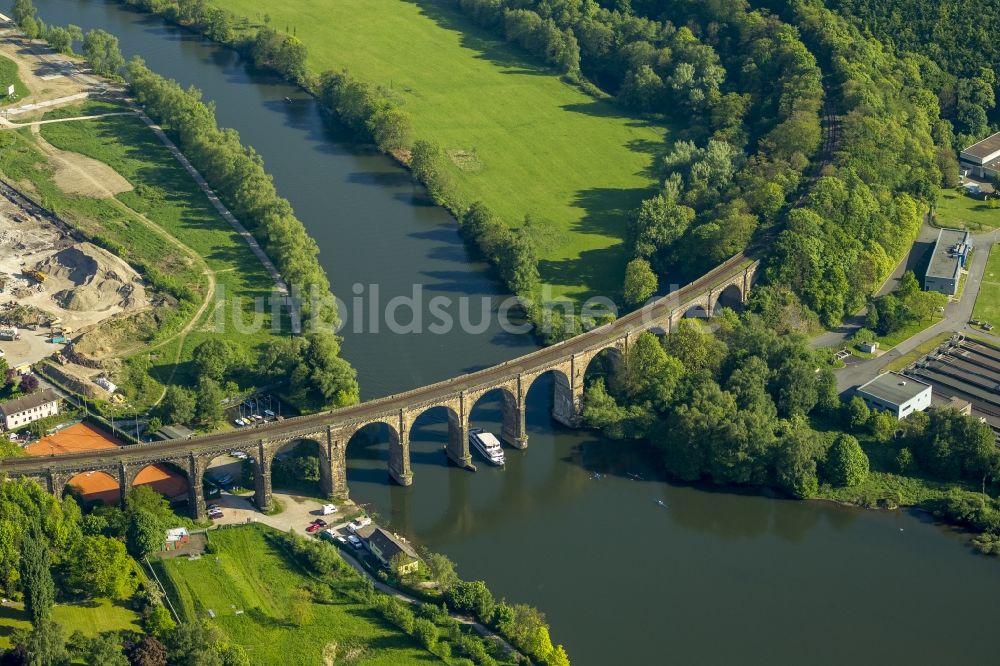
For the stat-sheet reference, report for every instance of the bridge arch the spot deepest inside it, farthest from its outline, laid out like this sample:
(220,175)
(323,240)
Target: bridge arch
(368,437)
(298,466)
(697,311)
(565,396)
(95,487)
(433,431)
(164,478)
(603,365)
(731,297)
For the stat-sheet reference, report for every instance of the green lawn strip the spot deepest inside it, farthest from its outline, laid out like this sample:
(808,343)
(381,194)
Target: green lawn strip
(248,572)
(887,342)
(91,618)
(167,195)
(8,75)
(987,306)
(918,351)
(960,211)
(520,139)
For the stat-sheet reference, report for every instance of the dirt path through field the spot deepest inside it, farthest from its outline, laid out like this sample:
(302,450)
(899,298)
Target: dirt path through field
(81,171)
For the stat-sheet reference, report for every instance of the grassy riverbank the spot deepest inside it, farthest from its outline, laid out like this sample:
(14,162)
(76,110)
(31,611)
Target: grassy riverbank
(250,584)
(519,139)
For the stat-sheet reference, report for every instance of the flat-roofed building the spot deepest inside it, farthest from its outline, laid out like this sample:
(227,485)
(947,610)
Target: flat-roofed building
(982,160)
(897,394)
(945,268)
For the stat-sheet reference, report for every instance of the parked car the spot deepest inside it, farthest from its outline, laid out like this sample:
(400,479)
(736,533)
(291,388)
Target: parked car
(354,541)
(358,523)
(214,507)
(320,522)
(313,528)
(239,422)
(215,515)
(340,539)
(268,412)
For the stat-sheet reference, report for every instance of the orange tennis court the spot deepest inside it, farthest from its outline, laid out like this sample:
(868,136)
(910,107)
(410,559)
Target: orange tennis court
(99,486)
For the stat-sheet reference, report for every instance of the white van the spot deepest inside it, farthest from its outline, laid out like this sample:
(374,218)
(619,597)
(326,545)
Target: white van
(328,509)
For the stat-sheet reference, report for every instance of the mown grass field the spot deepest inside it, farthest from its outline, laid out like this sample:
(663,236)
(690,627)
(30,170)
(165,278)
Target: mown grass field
(959,211)
(988,301)
(8,76)
(91,618)
(521,140)
(166,195)
(250,573)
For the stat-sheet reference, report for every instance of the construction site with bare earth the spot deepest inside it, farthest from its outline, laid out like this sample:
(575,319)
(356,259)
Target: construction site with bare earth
(98,267)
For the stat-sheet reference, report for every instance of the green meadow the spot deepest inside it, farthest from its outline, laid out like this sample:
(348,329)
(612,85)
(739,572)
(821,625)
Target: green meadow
(520,139)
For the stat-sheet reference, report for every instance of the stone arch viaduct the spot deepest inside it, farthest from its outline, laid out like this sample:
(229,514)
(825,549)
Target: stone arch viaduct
(332,430)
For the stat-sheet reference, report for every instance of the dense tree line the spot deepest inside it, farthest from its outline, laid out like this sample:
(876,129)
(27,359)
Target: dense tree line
(237,173)
(731,408)
(862,215)
(649,65)
(957,47)
(367,109)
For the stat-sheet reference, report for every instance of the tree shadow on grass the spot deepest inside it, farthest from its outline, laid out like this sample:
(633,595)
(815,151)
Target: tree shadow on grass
(489,47)
(607,212)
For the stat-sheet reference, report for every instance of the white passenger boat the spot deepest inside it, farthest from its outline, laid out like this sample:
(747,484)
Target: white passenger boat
(487,444)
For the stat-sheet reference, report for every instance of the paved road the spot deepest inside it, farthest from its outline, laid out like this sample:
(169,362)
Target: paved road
(956,318)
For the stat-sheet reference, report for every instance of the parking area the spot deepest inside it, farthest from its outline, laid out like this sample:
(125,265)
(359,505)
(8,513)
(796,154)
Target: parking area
(256,409)
(297,512)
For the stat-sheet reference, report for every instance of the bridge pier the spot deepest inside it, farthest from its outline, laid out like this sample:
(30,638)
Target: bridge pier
(567,401)
(262,480)
(399,455)
(333,467)
(57,483)
(196,494)
(514,432)
(125,479)
(458,439)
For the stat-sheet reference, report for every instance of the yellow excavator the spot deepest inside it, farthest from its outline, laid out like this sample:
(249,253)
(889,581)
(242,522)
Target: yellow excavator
(38,275)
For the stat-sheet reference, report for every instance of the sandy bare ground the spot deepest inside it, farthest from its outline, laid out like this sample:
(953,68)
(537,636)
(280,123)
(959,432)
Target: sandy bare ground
(44,76)
(79,174)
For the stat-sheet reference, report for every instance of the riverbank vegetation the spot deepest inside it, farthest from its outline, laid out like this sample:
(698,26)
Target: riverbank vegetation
(237,174)
(745,406)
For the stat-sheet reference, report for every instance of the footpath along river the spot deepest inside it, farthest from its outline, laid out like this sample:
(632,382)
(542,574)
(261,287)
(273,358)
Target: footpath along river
(572,524)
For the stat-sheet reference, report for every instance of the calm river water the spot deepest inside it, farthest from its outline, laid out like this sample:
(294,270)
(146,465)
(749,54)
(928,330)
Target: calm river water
(572,525)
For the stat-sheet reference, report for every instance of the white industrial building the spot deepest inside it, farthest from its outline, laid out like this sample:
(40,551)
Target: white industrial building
(897,394)
(982,160)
